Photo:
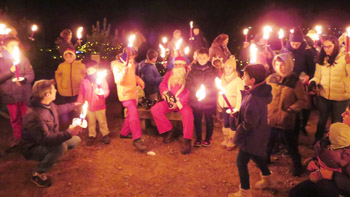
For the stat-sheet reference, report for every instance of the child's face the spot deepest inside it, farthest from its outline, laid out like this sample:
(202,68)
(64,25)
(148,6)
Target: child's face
(280,68)
(229,70)
(218,64)
(196,31)
(91,70)
(69,58)
(202,59)
(346,116)
(247,81)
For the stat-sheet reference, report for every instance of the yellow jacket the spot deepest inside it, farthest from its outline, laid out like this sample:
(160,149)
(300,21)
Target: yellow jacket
(68,78)
(126,80)
(334,79)
(233,86)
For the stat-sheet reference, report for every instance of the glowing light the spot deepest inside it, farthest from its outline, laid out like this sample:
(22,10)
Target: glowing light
(162,51)
(281,34)
(84,110)
(348,31)
(15,55)
(267,31)
(291,31)
(200,94)
(100,76)
(245,31)
(187,50)
(131,40)
(34,27)
(253,53)
(318,29)
(191,24)
(178,44)
(79,32)
(4,30)
(164,40)
(222,92)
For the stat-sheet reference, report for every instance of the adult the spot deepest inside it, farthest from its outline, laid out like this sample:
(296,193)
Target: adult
(148,72)
(173,87)
(199,40)
(172,43)
(41,139)
(64,42)
(332,75)
(15,95)
(219,48)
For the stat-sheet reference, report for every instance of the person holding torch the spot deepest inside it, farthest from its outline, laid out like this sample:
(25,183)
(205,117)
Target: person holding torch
(64,42)
(15,95)
(95,93)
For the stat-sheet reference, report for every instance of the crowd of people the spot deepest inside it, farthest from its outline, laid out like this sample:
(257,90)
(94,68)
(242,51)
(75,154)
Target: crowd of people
(266,103)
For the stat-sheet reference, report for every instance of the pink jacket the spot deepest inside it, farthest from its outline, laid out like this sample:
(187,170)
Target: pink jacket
(181,93)
(87,93)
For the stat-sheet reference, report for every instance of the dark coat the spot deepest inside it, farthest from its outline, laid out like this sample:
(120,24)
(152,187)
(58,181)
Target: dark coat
(150,75)
(203,75)
(198,42)
(63,45)
(253,132)
(41,127)
(10,91)
(303,59)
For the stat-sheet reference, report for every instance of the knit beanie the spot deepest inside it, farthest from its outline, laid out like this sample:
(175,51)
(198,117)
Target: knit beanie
(256,71)
(339,135)
(297,36)
(71,51)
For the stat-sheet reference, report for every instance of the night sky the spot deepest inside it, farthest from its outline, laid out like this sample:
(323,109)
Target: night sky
(155,18)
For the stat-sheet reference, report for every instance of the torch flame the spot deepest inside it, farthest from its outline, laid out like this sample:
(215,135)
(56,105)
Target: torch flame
(348,31)
(178,44)
(219,86)
(191,24)
(165,40)
(187,50)
(34,27)
(100,76)
(245,31)
(162,51)
(4,30)
(200,94)
(267,30)
(15,55)
(291,31)
(79,32)
(84,110)
(318,29)
(131,40)
(253,53)
(281,34)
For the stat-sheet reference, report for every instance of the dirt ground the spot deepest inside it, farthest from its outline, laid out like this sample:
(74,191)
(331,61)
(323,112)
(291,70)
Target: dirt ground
(118,169)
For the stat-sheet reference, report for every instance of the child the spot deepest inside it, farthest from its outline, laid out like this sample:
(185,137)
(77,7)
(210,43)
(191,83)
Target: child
(289,98)
(233,86)
(203,73)
(96,96)
(252,132)
(126,80)
(15,95)
(217,63)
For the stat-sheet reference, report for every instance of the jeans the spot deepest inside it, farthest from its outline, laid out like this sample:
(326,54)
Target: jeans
(100,116)
(242,164)
(209,122)
(323,188)
(48,155)
(329,107)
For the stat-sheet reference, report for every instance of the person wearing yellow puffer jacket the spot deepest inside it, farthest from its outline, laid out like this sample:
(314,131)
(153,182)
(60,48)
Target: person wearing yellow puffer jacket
(332,75)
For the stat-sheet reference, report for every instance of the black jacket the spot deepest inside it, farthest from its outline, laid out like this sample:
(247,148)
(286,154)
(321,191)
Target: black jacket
(203,75)
(150,75)
(41,127)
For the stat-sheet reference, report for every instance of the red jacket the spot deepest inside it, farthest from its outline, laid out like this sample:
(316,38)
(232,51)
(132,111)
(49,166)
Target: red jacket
(87,93)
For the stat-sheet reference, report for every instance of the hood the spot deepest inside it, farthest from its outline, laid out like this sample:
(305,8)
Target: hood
(288,62)
(263,91)
(300,49)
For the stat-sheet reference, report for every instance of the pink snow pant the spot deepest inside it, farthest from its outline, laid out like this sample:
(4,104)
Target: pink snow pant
(132,120)
(17,111)
(163,124)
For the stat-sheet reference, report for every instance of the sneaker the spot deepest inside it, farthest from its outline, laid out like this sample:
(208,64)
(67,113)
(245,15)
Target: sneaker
(129,136)
(106,139)
(206,143)
(90,141)
(139,145)
(41,180)
(197,143)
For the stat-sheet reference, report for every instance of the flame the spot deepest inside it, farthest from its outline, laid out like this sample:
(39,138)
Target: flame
(191,24)
(34,27)
(200,94)
(219,86)
(84,110)
(348,31)
(4,30)
(15,55)
(178,44)
(131,40)
(267,31)
(100,76)
(253,53)
(162,51)
(291,31)
(281,34)
(164,40)
(245,31)
(79,32)
(187,50)
(318,29)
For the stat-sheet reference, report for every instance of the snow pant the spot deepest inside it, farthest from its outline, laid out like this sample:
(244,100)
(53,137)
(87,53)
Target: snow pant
(132,120)
(290,138)
(48,155)
(100,116)
(17,112)
(327,107)
(323,188)
(163,124)
(242,161)
(209,122)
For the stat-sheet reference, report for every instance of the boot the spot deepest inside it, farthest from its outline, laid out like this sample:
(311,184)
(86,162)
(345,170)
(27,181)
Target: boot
(90,141)
(241,193)
(106,139)
(266,181)
(170,136)
(230,146)
(186,146)
(139,145)
(225,132)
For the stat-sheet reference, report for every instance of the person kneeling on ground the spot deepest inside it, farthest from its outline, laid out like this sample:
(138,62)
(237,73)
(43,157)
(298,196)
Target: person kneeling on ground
(41,139)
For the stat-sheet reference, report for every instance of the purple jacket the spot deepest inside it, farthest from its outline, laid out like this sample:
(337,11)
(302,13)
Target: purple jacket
(253,132)
(10,91)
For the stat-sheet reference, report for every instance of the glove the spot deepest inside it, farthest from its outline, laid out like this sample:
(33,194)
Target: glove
(312,86)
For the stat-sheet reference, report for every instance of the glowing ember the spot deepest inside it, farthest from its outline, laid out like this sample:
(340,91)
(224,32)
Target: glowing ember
(79,32)
(200,94)
(253,53)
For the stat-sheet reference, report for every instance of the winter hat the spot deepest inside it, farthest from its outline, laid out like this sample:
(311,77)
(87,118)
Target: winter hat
(41,87)
(71,51)
(339,135)
(256,71)
(214,59)
(231,62)
(297,36)
(180,60)
(288,62)
(89,63)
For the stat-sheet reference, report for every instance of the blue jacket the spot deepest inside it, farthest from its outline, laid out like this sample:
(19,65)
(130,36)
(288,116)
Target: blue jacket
(253,132)
(150,75)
